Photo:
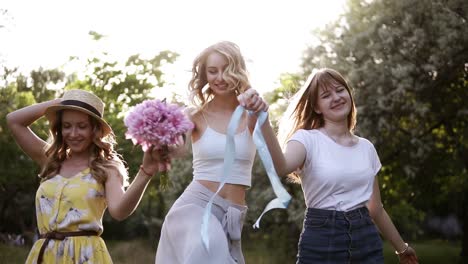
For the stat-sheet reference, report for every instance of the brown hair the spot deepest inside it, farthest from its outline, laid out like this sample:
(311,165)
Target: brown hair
(301,113)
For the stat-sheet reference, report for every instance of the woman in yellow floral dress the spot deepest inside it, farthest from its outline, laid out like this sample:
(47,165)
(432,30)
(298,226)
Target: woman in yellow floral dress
(81,175)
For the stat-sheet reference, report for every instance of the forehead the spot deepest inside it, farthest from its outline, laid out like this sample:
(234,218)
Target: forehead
(74,116)
(215,59)
(330,83)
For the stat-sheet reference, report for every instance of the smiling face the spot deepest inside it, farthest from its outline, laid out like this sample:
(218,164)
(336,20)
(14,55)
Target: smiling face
(77,130)
(216,64)
(333,101)
(221,68)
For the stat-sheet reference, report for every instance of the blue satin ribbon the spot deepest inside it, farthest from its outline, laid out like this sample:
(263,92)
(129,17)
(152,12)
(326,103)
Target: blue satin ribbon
(283,197)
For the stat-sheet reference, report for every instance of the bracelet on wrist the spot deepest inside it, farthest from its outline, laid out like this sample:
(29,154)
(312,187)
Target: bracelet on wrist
(145,172)
(403,251)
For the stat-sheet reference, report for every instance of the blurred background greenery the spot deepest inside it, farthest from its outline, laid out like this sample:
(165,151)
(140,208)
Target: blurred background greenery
(408,64)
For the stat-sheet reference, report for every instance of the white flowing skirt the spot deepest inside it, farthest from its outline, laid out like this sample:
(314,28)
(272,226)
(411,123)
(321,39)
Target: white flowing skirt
(181,240)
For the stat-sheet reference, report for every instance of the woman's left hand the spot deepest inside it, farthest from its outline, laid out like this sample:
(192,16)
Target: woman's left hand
(159,159)
(156,160)
(252,101)
(409,257)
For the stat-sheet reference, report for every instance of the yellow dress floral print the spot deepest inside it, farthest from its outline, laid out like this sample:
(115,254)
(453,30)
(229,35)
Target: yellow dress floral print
(68,205)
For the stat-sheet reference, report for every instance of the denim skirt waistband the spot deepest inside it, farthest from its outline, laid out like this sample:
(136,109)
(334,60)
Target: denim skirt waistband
(353,214)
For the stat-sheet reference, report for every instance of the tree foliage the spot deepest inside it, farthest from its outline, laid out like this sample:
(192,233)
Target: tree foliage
(18,182)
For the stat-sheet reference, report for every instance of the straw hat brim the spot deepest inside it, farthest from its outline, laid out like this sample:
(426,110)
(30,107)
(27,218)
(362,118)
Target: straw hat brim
(51,115)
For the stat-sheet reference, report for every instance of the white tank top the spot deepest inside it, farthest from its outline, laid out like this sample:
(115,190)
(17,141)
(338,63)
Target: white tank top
(208,157)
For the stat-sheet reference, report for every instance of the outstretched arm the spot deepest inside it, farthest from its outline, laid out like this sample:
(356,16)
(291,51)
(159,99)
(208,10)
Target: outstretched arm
(252,101)
(121,203)
(19,122)
(294,155)
(388,229)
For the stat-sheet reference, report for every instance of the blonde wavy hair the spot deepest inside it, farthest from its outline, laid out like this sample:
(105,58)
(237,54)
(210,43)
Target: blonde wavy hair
(300,113)
(102,154)
(235,74)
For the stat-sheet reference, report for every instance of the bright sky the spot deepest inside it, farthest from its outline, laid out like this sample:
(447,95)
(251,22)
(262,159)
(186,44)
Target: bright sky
(271,34)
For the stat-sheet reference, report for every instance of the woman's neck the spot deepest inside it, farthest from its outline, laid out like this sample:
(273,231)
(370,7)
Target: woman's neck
(339,133)
(78,158)
(225,103)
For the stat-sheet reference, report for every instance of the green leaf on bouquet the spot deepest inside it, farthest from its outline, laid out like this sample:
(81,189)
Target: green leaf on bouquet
(164,180)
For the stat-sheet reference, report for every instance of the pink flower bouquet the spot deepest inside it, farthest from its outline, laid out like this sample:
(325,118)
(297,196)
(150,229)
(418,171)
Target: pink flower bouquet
(156,123)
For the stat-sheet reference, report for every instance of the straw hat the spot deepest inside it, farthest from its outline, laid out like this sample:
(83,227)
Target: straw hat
(82,101)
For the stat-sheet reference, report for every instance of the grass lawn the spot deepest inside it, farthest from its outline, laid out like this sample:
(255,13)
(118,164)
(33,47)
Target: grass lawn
(142,251)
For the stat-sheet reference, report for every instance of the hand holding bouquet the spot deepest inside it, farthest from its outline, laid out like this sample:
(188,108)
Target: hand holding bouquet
(156,124)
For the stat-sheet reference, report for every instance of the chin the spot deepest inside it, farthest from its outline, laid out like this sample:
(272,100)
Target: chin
(78,149)
(224,92)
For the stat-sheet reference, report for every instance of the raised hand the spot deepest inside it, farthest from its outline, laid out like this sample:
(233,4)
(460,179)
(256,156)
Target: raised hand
(156,160)
(252,101)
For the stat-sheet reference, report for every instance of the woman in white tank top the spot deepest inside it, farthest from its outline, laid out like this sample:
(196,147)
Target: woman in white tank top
(337,171)
(219,84)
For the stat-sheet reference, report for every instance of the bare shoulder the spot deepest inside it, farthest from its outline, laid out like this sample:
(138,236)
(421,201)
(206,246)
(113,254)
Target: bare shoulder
(195,115)
(190,111)
(116,170)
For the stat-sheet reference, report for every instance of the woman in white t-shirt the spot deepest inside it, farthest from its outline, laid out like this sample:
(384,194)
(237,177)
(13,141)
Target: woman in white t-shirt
(337,170)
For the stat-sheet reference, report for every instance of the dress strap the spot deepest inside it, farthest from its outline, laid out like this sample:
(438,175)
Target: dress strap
(204,118)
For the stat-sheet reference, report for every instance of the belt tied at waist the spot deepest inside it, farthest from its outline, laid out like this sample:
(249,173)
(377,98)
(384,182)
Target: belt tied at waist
(231,216)
(232,223)
(60,236)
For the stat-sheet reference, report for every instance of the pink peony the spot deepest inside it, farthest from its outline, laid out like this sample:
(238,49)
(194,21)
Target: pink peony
(156,123)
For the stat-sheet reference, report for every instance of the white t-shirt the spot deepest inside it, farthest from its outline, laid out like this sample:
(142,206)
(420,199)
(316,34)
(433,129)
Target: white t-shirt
(336,177)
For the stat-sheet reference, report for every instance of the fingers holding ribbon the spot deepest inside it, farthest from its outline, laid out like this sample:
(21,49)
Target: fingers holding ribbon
(252,101)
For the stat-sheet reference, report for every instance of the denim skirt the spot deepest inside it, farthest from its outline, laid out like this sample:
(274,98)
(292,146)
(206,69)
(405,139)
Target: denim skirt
(330,236)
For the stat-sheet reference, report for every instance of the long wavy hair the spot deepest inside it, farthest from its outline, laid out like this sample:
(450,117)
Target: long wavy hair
(235,74)
(102,154)
(300,113)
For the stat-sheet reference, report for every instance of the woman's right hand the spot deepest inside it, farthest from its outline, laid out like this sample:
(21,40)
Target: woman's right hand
(18,123)
(252,101)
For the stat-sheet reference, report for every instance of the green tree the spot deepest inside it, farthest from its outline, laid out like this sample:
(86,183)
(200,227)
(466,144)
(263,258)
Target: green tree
(18,183)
